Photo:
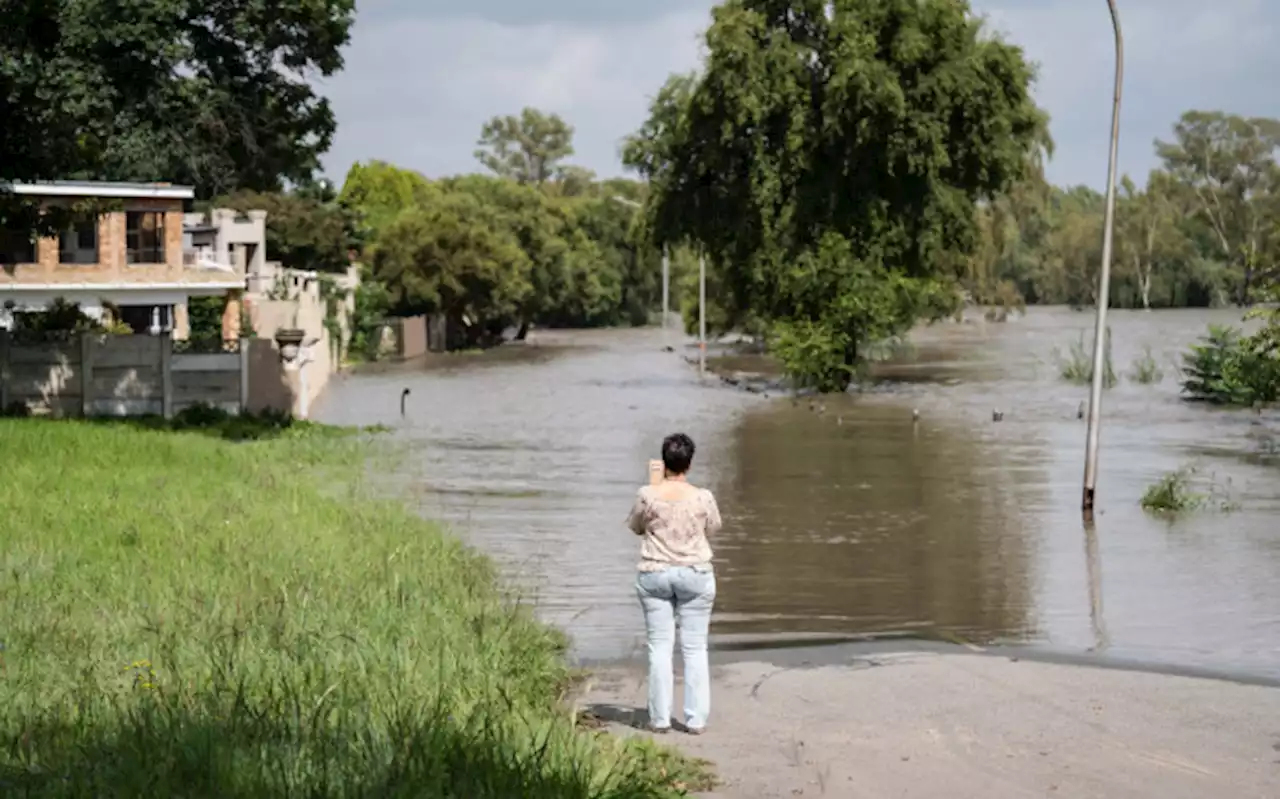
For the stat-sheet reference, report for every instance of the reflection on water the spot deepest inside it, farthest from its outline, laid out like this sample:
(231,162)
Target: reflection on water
(849,518)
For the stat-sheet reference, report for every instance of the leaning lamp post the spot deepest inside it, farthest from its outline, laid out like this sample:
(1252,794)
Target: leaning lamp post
(1104,284)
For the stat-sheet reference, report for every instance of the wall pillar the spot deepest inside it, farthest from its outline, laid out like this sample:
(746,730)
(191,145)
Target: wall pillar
(181,322)
(231,315)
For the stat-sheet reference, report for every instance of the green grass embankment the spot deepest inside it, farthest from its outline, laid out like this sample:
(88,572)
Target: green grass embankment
(185,616)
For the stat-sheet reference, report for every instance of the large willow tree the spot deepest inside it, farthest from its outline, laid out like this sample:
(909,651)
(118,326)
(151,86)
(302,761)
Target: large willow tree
(829,159)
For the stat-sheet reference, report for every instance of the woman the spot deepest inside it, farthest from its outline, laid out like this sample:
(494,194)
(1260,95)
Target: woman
(676,582)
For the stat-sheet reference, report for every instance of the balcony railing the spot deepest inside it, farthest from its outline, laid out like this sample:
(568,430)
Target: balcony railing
(195,259)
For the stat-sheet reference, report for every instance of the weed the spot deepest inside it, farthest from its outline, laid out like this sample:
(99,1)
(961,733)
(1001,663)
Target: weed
(1077,365)
(1146,370)
(1175,493)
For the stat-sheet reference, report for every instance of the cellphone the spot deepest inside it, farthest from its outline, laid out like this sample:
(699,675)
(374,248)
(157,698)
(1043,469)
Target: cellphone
(656,472)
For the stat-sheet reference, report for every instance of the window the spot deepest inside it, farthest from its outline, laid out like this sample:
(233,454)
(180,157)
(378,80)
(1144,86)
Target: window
(146,319)
(144,237)
(80,244)
(17,247)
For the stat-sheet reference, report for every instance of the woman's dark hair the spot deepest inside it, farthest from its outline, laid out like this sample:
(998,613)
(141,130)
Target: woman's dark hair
(677,453)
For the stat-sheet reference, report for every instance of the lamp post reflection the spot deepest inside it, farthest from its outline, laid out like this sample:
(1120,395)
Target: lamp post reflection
(1093,564)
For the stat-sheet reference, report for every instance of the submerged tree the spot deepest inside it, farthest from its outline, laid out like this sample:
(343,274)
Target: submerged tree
(830,158)
(1229,165)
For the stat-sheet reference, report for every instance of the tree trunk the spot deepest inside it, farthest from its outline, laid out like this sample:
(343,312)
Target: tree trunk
(523,332)
(1144,285)
(850,364)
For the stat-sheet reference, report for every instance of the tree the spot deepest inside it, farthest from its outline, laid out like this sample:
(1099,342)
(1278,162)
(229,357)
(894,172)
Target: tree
(1148,234)
(380,192)
(527,148)
(217,95)
(842,143)
(1229,163)
(307,229)
(457,257)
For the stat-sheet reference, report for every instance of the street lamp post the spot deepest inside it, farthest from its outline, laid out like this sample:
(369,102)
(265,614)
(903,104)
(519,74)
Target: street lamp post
(702,316)
(1104,283)
(666,294)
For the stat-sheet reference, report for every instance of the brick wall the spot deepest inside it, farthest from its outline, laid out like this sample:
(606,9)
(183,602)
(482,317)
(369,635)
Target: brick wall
(111,266)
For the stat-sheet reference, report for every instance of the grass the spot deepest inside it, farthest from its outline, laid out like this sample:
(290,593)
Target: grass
(218,423)
(1077,365)
(1175,493)
(184,616)
(1146,370)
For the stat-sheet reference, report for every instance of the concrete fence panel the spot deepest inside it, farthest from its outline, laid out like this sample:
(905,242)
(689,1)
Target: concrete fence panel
(104,375)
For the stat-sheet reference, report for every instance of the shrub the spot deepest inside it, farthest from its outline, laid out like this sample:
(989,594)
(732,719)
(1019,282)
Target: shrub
(1227,368)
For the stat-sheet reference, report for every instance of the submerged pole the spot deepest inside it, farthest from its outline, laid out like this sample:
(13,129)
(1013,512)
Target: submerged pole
(666,294)
(1104,283)
(702,316)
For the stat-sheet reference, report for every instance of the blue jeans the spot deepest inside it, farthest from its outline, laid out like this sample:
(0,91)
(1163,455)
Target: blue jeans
(684,594)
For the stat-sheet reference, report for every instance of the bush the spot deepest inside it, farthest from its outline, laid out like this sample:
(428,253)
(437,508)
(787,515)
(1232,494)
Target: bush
(1227,368)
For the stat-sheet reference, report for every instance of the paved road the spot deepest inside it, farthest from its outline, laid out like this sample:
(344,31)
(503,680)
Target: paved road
(926,724)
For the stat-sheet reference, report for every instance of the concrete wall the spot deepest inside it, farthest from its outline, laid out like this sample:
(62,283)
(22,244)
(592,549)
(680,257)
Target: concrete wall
(99,375)
(289,298)
(411,336)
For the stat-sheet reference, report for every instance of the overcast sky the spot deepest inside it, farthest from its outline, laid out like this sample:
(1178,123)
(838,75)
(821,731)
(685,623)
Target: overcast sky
(422,76)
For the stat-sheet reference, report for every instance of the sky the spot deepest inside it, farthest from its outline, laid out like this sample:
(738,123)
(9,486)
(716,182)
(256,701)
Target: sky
(422,76)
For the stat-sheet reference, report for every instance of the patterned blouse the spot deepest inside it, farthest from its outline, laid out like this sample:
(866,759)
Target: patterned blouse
(675,531)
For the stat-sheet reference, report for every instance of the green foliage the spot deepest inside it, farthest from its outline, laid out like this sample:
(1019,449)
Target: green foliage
(527,149)
(204,319)
(1228,368)
(380,191)
(370,307)
(578,260)
(62,318)
(1146,370)
(308,229)
(1077,365)
(1175,493)
(217,95)
(838,305)
(260,626)
(820,130)
(1203,231)
(458,258)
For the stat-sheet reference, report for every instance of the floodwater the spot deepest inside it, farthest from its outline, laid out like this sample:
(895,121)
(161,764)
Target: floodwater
(843,517)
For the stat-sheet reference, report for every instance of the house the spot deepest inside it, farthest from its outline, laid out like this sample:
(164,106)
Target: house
(143,259)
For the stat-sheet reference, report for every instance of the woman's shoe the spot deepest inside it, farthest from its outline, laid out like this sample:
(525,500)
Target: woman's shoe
(695,730)
(658,730)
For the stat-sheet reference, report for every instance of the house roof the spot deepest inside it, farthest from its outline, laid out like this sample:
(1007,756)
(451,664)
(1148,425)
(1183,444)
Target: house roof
(96,188)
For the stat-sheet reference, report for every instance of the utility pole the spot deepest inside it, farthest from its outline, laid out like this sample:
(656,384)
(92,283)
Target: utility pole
(1104,284)
(702,316)
(666,295)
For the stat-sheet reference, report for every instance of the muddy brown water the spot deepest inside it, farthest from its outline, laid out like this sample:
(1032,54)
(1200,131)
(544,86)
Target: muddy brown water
(846,518)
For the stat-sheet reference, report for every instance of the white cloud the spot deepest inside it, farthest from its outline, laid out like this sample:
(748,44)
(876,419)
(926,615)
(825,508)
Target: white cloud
(417,87)
(416,92)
